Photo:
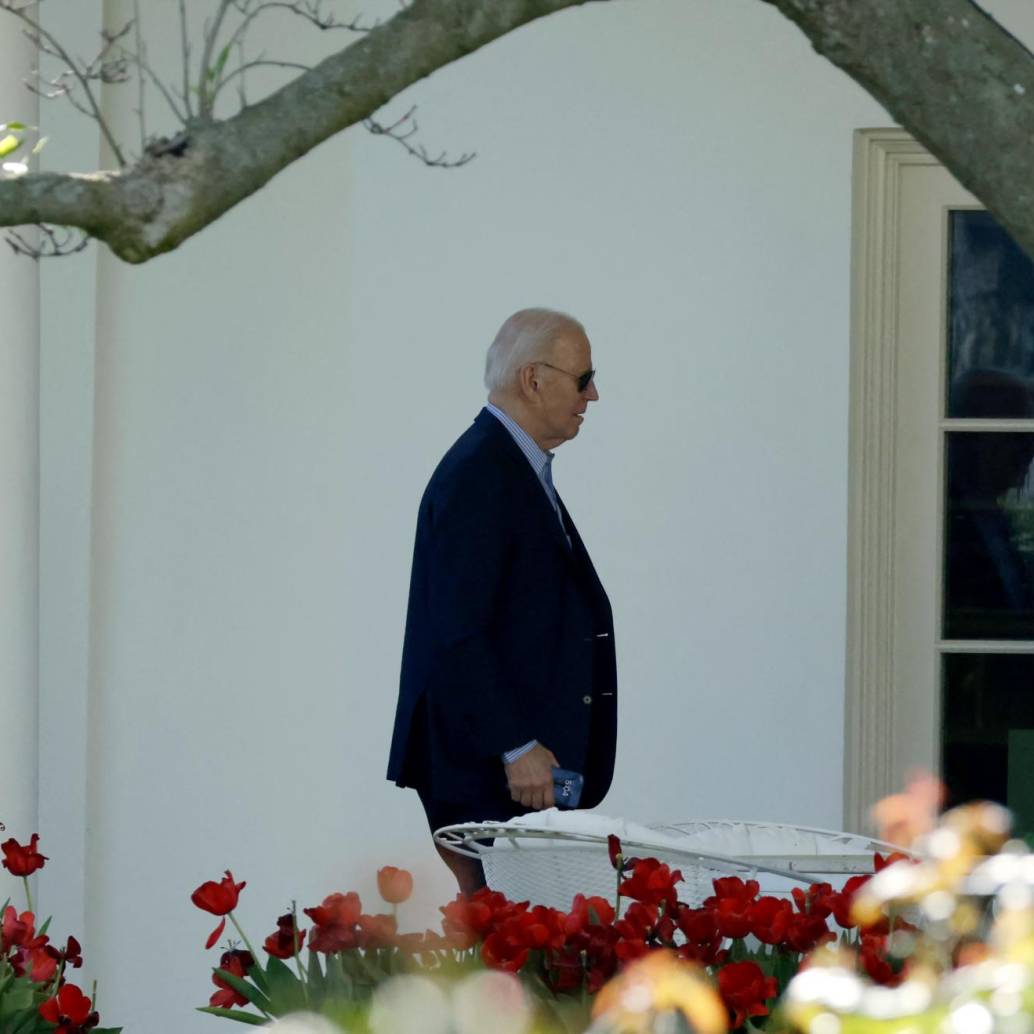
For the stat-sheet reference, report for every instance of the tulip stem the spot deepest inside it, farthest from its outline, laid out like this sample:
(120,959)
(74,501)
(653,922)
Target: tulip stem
(298,950)
(28,894)
(244,937)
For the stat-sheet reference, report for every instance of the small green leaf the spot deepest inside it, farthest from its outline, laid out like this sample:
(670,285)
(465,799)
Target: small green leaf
(233,1014)
(220,63)
(258,975)
(315,972)
(9,145)
(20,126)
(286,993)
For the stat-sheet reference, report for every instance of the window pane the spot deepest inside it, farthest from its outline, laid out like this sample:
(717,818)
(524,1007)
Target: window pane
(988,731)
(990,321)
(989,536)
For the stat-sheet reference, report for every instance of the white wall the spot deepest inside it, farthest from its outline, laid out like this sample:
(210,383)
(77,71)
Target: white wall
(266,404)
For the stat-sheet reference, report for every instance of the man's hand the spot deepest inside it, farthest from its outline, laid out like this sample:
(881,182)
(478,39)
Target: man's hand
(530,778)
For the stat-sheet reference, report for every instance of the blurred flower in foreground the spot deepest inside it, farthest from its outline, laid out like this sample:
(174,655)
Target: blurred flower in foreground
(903,818)
(496,995)
(634,1001)
(482,1001)
(406,1004)
(303,1023)
(965,967)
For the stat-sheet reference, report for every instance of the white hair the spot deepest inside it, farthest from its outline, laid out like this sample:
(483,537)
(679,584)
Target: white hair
(526,336)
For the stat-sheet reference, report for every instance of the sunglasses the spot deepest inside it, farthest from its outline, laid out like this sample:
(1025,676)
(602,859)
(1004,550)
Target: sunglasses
(583,380)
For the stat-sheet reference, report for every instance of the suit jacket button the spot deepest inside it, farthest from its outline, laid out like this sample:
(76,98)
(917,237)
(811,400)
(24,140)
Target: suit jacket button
(586,699)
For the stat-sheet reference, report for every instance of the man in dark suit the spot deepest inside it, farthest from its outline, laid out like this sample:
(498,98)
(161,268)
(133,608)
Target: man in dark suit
(508,662)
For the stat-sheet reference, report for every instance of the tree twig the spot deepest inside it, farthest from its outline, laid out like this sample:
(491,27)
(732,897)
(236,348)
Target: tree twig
(401,130)
(206,79)
(257,63)
(95,110)
(55,242)
(310,10)
(141,85)
(185,55)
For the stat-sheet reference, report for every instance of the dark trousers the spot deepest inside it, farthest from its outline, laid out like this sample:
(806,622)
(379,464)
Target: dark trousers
(469,872)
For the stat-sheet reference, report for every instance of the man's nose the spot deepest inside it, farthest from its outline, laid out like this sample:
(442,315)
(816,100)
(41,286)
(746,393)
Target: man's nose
(591,392)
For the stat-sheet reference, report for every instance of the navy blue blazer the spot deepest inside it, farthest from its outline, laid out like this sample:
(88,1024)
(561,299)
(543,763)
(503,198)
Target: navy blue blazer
(509,632)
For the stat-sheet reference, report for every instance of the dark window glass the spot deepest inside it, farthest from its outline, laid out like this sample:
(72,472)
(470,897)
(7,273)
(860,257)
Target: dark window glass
(990,321)
(989,536)
(988,731)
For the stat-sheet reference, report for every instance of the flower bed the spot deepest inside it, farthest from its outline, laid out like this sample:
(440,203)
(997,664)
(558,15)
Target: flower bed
(34,995)
(750,944)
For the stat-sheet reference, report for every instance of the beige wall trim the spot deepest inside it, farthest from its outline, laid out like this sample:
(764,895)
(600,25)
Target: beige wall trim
(880,156)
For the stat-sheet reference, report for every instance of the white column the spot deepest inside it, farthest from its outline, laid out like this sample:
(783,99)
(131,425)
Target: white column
(68,288)
(19,490)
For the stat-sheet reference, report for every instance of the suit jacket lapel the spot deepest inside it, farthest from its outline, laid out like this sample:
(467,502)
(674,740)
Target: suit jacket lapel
(511,451)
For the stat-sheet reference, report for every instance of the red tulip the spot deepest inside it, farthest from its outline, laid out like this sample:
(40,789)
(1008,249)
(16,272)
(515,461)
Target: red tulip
(734,916)
(237,962)
(21,860)
(732,887)
(70,1010)
(500,953)
(614,853)
(218,898)
(73,953)
(873,957)
(638,922)
(745,989)
(879,863)
(468,920)
(842,901)
(286,941)
(706,953)
(769,919)
(43,965)
(594,911)
(700,925)
(806,932)
(652,882)
(335,922)
(818,900)
(394,885)
(18,930)
(377,931)
(564,971)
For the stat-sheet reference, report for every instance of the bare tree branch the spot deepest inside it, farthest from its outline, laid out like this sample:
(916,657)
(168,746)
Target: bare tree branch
(178,187)
(401,130)
(259,62)
(42,36)
(55,242)
(311,10)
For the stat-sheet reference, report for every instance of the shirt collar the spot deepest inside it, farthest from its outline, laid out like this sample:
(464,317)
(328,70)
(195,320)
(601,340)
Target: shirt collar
(539,459)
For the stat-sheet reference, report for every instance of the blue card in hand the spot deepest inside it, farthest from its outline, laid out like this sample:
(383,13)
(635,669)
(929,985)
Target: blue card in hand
(567,788)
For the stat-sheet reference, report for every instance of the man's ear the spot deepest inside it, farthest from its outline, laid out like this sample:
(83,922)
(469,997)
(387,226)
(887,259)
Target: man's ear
(528,382)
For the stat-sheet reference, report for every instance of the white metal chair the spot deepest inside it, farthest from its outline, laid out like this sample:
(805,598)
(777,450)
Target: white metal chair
(548,857)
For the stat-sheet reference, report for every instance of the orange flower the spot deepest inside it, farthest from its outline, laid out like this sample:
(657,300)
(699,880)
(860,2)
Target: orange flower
(394,885)
(904,817)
